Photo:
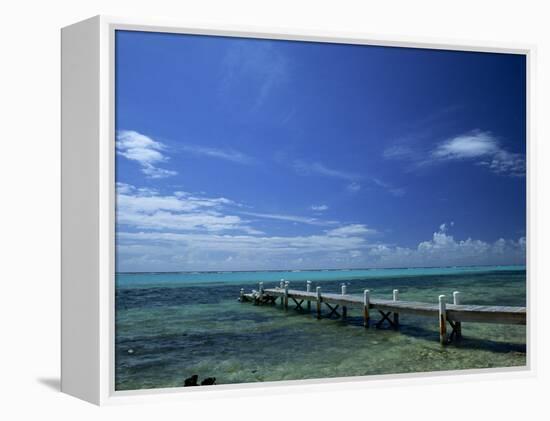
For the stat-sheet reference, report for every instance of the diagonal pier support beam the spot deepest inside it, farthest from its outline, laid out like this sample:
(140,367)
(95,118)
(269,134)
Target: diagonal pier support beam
(385,317)
(454,315)
(332,309)
(298,303)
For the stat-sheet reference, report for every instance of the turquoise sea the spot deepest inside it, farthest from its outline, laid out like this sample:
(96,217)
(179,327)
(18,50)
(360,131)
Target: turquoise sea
(170,326)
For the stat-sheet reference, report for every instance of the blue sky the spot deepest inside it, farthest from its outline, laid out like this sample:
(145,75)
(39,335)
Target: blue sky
(244,154)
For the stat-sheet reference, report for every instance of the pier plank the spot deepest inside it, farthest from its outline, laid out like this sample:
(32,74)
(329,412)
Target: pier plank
(454,312)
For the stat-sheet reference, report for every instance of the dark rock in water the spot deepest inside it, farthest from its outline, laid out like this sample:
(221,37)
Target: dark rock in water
(191,381)
(208,381)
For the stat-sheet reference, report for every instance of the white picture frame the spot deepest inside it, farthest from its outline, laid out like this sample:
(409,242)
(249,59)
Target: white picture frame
(88,210)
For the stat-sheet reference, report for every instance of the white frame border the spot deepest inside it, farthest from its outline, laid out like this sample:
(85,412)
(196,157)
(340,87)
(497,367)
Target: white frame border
(107,395)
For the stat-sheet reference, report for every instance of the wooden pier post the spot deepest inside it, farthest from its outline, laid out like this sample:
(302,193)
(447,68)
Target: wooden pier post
(258,297)
(344,308)
(286,295)
(308,289)
(282,286)
(456,310)
(458,325)
(442,320)
(395,315)
(318,291)
(366,303)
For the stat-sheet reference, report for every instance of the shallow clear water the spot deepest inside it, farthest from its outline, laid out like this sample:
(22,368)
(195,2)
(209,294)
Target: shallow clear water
(170,326)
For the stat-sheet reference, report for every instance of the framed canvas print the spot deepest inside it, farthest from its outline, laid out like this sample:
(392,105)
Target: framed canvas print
(245,209)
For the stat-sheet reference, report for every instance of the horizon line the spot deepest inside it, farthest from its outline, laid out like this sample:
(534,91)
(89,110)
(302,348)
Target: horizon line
(316,270)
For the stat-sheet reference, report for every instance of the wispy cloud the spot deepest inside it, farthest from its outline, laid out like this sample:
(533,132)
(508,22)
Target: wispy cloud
(396,191)
(217,153)
(319,208)
(350,230)
(291,218)
(185,230)
(145,151)
(147,209)
(353,187)
(477,146)
(354,180)
(306,168)
(342,247)
(483,148)
(261,66)
(318,168)
(403,152)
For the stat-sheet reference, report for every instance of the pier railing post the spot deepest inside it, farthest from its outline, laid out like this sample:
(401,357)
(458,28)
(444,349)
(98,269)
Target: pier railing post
(344,308)
(395,315)
(366,303)
(308,289)
(286,295)
(241,299)
(458,325)
(442,320)
(318,291)
(258,297)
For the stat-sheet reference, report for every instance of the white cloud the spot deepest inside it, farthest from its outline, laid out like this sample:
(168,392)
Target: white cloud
(444,250)
(353,187)
(216,251)
(144,150)
(350,230)
(482,148)
(291,218)
(253,244)
(472,145)
(146,209)
(224,154)
(138,147)
(185,231)
(444,227)
(319,208)
(155,172)
(355,253)
(477,146)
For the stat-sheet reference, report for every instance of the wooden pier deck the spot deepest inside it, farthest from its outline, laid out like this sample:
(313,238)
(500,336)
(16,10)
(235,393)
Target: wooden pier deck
(389,309)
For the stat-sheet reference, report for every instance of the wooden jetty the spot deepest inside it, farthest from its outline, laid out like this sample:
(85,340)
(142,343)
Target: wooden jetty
(448,314)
